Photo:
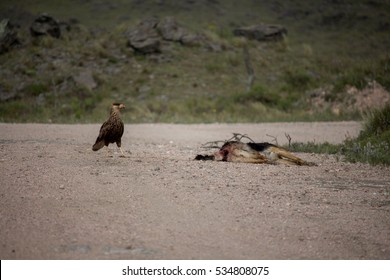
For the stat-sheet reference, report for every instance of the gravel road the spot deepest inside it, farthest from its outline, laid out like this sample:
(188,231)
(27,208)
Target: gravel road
(61,200)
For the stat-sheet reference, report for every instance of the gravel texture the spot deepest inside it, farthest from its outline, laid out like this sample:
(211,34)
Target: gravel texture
(61,200)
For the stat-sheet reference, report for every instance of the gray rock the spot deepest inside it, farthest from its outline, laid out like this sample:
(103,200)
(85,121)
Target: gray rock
(261,32)
(148,36)
(144,38)
(6,96)
(8,36)
(45,25)
(192,40)
(85,79)
(170,30)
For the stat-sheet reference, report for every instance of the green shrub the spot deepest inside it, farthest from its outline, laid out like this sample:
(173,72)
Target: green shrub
(373,143)
(352,77)
(298,80)
(371,146)
(360,74)
(257,94)
(382,73)
(35,89)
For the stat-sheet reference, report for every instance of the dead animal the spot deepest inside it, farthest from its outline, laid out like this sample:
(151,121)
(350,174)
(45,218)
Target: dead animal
(237,151)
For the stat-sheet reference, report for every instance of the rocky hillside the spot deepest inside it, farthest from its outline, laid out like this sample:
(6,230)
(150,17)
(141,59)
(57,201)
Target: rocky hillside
(193,61)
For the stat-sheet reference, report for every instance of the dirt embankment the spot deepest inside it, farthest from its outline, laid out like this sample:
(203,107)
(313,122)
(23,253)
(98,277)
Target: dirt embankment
(61,200)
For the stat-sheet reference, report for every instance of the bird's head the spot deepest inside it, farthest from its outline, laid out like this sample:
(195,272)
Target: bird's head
(118,106)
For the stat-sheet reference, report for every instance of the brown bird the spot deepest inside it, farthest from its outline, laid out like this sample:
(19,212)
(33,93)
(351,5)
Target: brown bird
(111,130)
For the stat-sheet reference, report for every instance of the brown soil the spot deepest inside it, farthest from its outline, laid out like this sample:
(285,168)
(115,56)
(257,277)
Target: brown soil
(373,96)
(61,200)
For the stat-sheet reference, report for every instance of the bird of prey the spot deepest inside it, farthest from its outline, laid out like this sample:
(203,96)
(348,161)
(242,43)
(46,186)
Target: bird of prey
(111,130)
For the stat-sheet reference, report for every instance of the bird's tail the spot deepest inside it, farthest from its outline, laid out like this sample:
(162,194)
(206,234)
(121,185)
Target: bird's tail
(98,145)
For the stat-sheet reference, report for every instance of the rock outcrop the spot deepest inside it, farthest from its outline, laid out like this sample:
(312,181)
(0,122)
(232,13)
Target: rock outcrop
(261,32)
(8,36)
(149,35)
(45,25)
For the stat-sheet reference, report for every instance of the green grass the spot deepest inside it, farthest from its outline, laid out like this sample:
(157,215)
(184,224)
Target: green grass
(318,148)
(373,143)
(371,146)
(329,49)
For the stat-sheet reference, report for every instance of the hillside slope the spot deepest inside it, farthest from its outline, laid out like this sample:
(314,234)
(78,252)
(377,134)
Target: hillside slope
(330,47)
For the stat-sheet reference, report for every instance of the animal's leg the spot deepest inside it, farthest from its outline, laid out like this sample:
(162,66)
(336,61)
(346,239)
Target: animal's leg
(251,160)
(282,153)
(108,152)
(285,161)
(122,154)
(118,143)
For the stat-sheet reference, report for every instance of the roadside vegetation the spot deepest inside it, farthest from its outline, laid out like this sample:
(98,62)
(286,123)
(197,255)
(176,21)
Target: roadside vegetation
(373,143)
(371,146)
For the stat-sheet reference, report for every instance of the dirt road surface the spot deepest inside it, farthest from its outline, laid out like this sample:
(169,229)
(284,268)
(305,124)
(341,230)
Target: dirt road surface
(61,200)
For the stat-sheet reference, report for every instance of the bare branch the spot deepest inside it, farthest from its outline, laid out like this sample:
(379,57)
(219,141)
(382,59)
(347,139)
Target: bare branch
(239,136)
(274,139)
(212,145)
(216,144)
(288,138)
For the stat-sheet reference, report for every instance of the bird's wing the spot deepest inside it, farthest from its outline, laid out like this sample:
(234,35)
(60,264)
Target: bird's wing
(122,128)
(105,129)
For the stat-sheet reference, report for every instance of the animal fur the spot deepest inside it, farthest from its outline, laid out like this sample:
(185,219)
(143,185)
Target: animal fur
(237,151)
(111,130)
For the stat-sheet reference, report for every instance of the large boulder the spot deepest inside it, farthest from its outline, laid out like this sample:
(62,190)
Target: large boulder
(193,40)
(85,79)
(170,30)
(148,36)
(144,38)
(261,32)
(8,36)
(45,25)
